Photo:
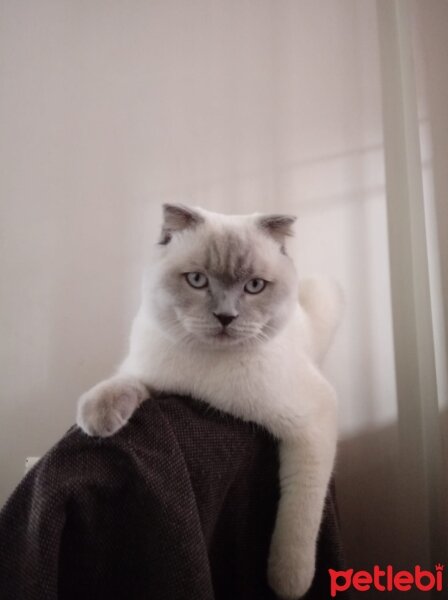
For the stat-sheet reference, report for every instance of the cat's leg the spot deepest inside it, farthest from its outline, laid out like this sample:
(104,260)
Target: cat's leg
(306,464)
(108,406)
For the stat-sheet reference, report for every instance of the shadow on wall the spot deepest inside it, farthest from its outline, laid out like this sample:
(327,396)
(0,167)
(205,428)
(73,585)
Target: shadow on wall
(371,505)
(367,488)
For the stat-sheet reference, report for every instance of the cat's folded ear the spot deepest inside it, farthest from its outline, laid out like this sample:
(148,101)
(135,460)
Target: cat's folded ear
(177,217)
(278,227)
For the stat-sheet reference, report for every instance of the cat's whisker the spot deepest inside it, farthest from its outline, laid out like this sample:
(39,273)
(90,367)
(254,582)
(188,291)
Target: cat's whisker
(260,337)
(269,327)
(179,334)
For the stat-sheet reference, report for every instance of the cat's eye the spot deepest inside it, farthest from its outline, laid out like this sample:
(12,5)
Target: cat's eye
(255,286)
(196,280)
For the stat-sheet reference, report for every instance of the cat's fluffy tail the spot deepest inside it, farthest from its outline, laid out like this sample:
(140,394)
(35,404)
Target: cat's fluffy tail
(322,300)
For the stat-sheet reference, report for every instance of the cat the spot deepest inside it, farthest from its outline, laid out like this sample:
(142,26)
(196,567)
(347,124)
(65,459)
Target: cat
(220,320)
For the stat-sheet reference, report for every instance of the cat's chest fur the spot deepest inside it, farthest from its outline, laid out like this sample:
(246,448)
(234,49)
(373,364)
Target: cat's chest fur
(255,383)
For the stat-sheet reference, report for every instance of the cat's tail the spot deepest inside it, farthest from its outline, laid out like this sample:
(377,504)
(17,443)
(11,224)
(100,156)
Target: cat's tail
(322,300)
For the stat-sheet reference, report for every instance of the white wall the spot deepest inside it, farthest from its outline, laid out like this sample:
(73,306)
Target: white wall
(109,108)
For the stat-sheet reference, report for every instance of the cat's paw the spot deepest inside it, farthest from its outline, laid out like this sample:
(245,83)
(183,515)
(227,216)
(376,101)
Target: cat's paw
(108,406)
(290,569)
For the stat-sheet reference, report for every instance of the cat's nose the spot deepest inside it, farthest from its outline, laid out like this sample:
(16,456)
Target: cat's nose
(224,319)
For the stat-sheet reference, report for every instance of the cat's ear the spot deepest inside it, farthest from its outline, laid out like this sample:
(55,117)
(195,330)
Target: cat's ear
(177,217)
(278,227)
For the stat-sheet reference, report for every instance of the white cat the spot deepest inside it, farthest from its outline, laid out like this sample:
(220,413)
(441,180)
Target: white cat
(220,321)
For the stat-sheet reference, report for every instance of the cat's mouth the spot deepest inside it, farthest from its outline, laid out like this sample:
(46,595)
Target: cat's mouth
(224,334)
(228,337)
(220,336)
(224,337)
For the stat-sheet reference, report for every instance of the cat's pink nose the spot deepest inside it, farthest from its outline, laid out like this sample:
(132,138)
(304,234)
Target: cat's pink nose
(224,319)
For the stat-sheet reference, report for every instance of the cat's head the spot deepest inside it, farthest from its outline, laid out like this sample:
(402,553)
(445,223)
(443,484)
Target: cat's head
(221,280)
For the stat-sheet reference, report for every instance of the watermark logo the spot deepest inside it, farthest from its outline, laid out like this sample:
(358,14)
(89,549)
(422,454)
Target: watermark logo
(386,580)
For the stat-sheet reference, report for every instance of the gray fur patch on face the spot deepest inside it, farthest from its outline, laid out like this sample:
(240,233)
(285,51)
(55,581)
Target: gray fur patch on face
(229,257)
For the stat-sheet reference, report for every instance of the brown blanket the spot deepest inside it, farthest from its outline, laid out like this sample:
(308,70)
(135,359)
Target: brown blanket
(180,504)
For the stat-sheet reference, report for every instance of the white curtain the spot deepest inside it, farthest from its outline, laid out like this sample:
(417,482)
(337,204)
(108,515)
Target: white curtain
(418,322)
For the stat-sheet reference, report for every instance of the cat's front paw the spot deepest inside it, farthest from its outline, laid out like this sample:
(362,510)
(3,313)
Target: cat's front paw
(290,568)
(108,406)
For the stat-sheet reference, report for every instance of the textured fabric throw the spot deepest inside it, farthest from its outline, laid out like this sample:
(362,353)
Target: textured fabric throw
(180,504)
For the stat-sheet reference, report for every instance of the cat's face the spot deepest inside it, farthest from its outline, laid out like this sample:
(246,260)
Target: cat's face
(222,280)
